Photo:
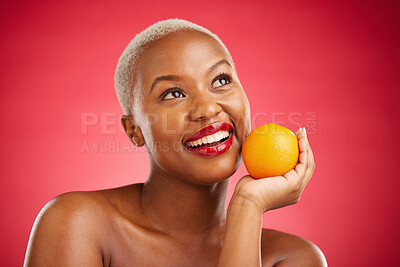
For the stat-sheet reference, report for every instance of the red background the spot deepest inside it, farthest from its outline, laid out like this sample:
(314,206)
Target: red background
(296,59)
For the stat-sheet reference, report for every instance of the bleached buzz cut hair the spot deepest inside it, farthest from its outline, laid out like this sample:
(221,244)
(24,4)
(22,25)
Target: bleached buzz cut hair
(124,80)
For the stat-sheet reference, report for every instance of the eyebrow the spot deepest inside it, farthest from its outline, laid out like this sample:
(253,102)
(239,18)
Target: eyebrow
(176,78)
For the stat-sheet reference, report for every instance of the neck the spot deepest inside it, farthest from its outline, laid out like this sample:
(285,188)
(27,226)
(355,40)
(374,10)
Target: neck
(184,210)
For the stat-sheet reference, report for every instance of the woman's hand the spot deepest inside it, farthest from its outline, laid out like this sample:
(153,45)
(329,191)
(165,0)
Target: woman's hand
(279,191)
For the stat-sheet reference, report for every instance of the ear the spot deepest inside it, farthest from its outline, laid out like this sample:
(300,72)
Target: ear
(132,130)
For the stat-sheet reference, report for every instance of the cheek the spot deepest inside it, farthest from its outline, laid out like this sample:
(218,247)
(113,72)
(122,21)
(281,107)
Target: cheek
(239,109)
(172,122)
(164,131)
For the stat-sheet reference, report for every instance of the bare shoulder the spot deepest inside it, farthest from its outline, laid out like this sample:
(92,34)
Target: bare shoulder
(72,209)
(66,231)
(283,249)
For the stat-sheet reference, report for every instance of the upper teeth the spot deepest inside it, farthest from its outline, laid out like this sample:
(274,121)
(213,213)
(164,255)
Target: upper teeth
(209,138)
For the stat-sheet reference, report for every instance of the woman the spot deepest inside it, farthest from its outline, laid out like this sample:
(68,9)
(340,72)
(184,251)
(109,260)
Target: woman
(178,86)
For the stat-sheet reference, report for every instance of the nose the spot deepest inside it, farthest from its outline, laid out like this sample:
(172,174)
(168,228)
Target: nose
(204,107)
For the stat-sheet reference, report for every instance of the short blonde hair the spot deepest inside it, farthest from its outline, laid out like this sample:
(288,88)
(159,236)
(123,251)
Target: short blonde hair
(124,79)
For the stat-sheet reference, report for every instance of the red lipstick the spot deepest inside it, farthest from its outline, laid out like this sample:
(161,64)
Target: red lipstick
(208,130)
(211,149)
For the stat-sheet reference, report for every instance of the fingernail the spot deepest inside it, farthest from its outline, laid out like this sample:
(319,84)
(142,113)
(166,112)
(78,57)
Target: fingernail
(298,131)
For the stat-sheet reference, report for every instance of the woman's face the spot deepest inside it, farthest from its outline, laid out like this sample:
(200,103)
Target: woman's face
(187,92)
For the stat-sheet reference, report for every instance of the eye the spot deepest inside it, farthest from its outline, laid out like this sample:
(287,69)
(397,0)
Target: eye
(173,93)
(222,80)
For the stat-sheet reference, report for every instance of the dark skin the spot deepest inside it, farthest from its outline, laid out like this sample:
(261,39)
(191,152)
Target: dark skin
(178,217)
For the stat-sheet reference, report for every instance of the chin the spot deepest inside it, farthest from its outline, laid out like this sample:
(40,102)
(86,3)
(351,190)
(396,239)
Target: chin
(200,170)
(217,170)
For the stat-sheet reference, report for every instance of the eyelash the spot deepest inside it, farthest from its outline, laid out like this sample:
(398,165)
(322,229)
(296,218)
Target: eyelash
(220,76)
(223,75)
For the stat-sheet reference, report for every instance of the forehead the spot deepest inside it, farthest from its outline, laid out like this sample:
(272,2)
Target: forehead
(180,53)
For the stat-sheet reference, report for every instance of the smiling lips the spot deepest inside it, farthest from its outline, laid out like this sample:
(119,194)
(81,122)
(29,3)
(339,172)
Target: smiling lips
(210,141)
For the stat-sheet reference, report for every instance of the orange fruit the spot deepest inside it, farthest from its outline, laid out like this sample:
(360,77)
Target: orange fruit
(270,150)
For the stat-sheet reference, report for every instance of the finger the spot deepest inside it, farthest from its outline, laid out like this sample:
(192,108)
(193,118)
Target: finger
(303,157)
(302,138)
(302,166)
(300,132)
(297,175)
(292,177)
(311,154)
(311,165)
(301,170)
